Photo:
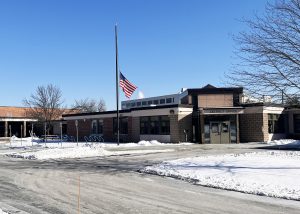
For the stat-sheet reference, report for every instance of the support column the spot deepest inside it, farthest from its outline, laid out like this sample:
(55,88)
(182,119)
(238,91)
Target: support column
(202,133)
(6,129)
(237,129)
(24,129)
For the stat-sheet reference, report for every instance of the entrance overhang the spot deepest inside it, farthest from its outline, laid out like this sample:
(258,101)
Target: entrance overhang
(222,111)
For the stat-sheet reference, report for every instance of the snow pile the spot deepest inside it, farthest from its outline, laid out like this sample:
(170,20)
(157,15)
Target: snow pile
(28,142)
(21,142)
(77,152)
(2,212)
(286,143)
(273,174)
(56,153)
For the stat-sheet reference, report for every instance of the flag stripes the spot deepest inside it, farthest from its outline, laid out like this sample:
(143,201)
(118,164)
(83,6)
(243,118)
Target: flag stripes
(126,86)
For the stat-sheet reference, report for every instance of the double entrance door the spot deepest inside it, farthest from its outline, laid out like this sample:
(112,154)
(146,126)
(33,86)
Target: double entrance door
(220,132)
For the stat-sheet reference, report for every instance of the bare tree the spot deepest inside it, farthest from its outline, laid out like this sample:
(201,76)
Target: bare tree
(270,52)
(45,104)
(89,105)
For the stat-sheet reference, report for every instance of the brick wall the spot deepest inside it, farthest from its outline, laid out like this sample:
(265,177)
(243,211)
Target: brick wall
(174,129)
(185,122)
(84,128)
(108,129)
(135,132)
(108,134)
(177,124)
(254,127)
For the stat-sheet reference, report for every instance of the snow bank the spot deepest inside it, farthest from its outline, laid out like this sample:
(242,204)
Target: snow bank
(273,174)
(21,142)
(28,142)
(2,212)
(77,152)
(286,143)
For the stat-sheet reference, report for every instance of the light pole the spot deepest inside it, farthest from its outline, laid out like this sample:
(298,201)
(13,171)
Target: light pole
(76,124)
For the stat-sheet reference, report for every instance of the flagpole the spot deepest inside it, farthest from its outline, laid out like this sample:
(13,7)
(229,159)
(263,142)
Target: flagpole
(117,85)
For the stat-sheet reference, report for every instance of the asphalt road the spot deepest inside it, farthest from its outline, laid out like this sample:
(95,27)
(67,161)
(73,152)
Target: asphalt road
(114,185)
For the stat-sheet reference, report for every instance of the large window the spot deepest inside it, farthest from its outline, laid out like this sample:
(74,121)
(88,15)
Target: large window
(297,123)
(169,100)
(157,125)
(97,127)
(276,123)
(123,121)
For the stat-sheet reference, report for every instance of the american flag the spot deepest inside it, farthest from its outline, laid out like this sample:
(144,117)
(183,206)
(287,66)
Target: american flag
(126,86)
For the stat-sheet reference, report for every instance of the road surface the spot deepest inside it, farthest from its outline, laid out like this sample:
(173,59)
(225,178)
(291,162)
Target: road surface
(114,185)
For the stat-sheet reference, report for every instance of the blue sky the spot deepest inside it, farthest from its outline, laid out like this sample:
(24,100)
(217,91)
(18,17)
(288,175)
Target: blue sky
(163,45)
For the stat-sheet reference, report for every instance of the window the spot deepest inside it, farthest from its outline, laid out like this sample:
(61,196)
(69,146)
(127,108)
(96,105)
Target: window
(144,103)
(164,125)
(138,103)
(94,127)
(132,104)
(154,125)
(123,125)
(144,125)
(155,102)
(100,127)
(157,125)
(97,127)
(127,105)
(150,102)
(297,123)
(276,123)
(169,100)
(214,127)
(162,101)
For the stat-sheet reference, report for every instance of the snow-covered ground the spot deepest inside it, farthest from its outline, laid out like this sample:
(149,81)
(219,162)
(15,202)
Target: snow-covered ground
(286,143)
(77,152)
(2,212)
(31,148)
(271,173)
(29,142)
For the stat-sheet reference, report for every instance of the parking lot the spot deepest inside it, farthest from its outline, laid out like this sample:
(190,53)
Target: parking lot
(113,184)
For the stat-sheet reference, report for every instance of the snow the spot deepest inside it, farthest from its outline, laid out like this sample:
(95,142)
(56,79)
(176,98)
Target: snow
(77,152)
(2,212)
(29,142)
(16,142)
(32,148)
(286,143)
(271,173)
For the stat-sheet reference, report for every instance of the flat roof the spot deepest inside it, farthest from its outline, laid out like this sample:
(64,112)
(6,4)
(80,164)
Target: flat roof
(129,110)
(212,90)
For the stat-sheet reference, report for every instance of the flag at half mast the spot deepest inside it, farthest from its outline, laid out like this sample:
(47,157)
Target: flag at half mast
(126,86)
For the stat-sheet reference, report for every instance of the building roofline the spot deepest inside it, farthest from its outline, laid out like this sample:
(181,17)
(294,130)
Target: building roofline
(129,110)
(262,104)
(215,90)
(153,97)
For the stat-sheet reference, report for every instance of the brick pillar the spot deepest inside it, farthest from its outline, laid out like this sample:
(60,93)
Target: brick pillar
(202,134)
(135,129)
(174,129)
(6,129)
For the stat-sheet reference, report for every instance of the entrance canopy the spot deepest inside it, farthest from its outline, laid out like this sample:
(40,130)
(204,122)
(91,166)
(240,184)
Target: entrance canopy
(222,111)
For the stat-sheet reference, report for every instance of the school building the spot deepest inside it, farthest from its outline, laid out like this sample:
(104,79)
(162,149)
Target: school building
(201,115)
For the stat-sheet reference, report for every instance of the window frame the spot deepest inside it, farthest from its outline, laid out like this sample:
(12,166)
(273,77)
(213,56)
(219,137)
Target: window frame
(155,125)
